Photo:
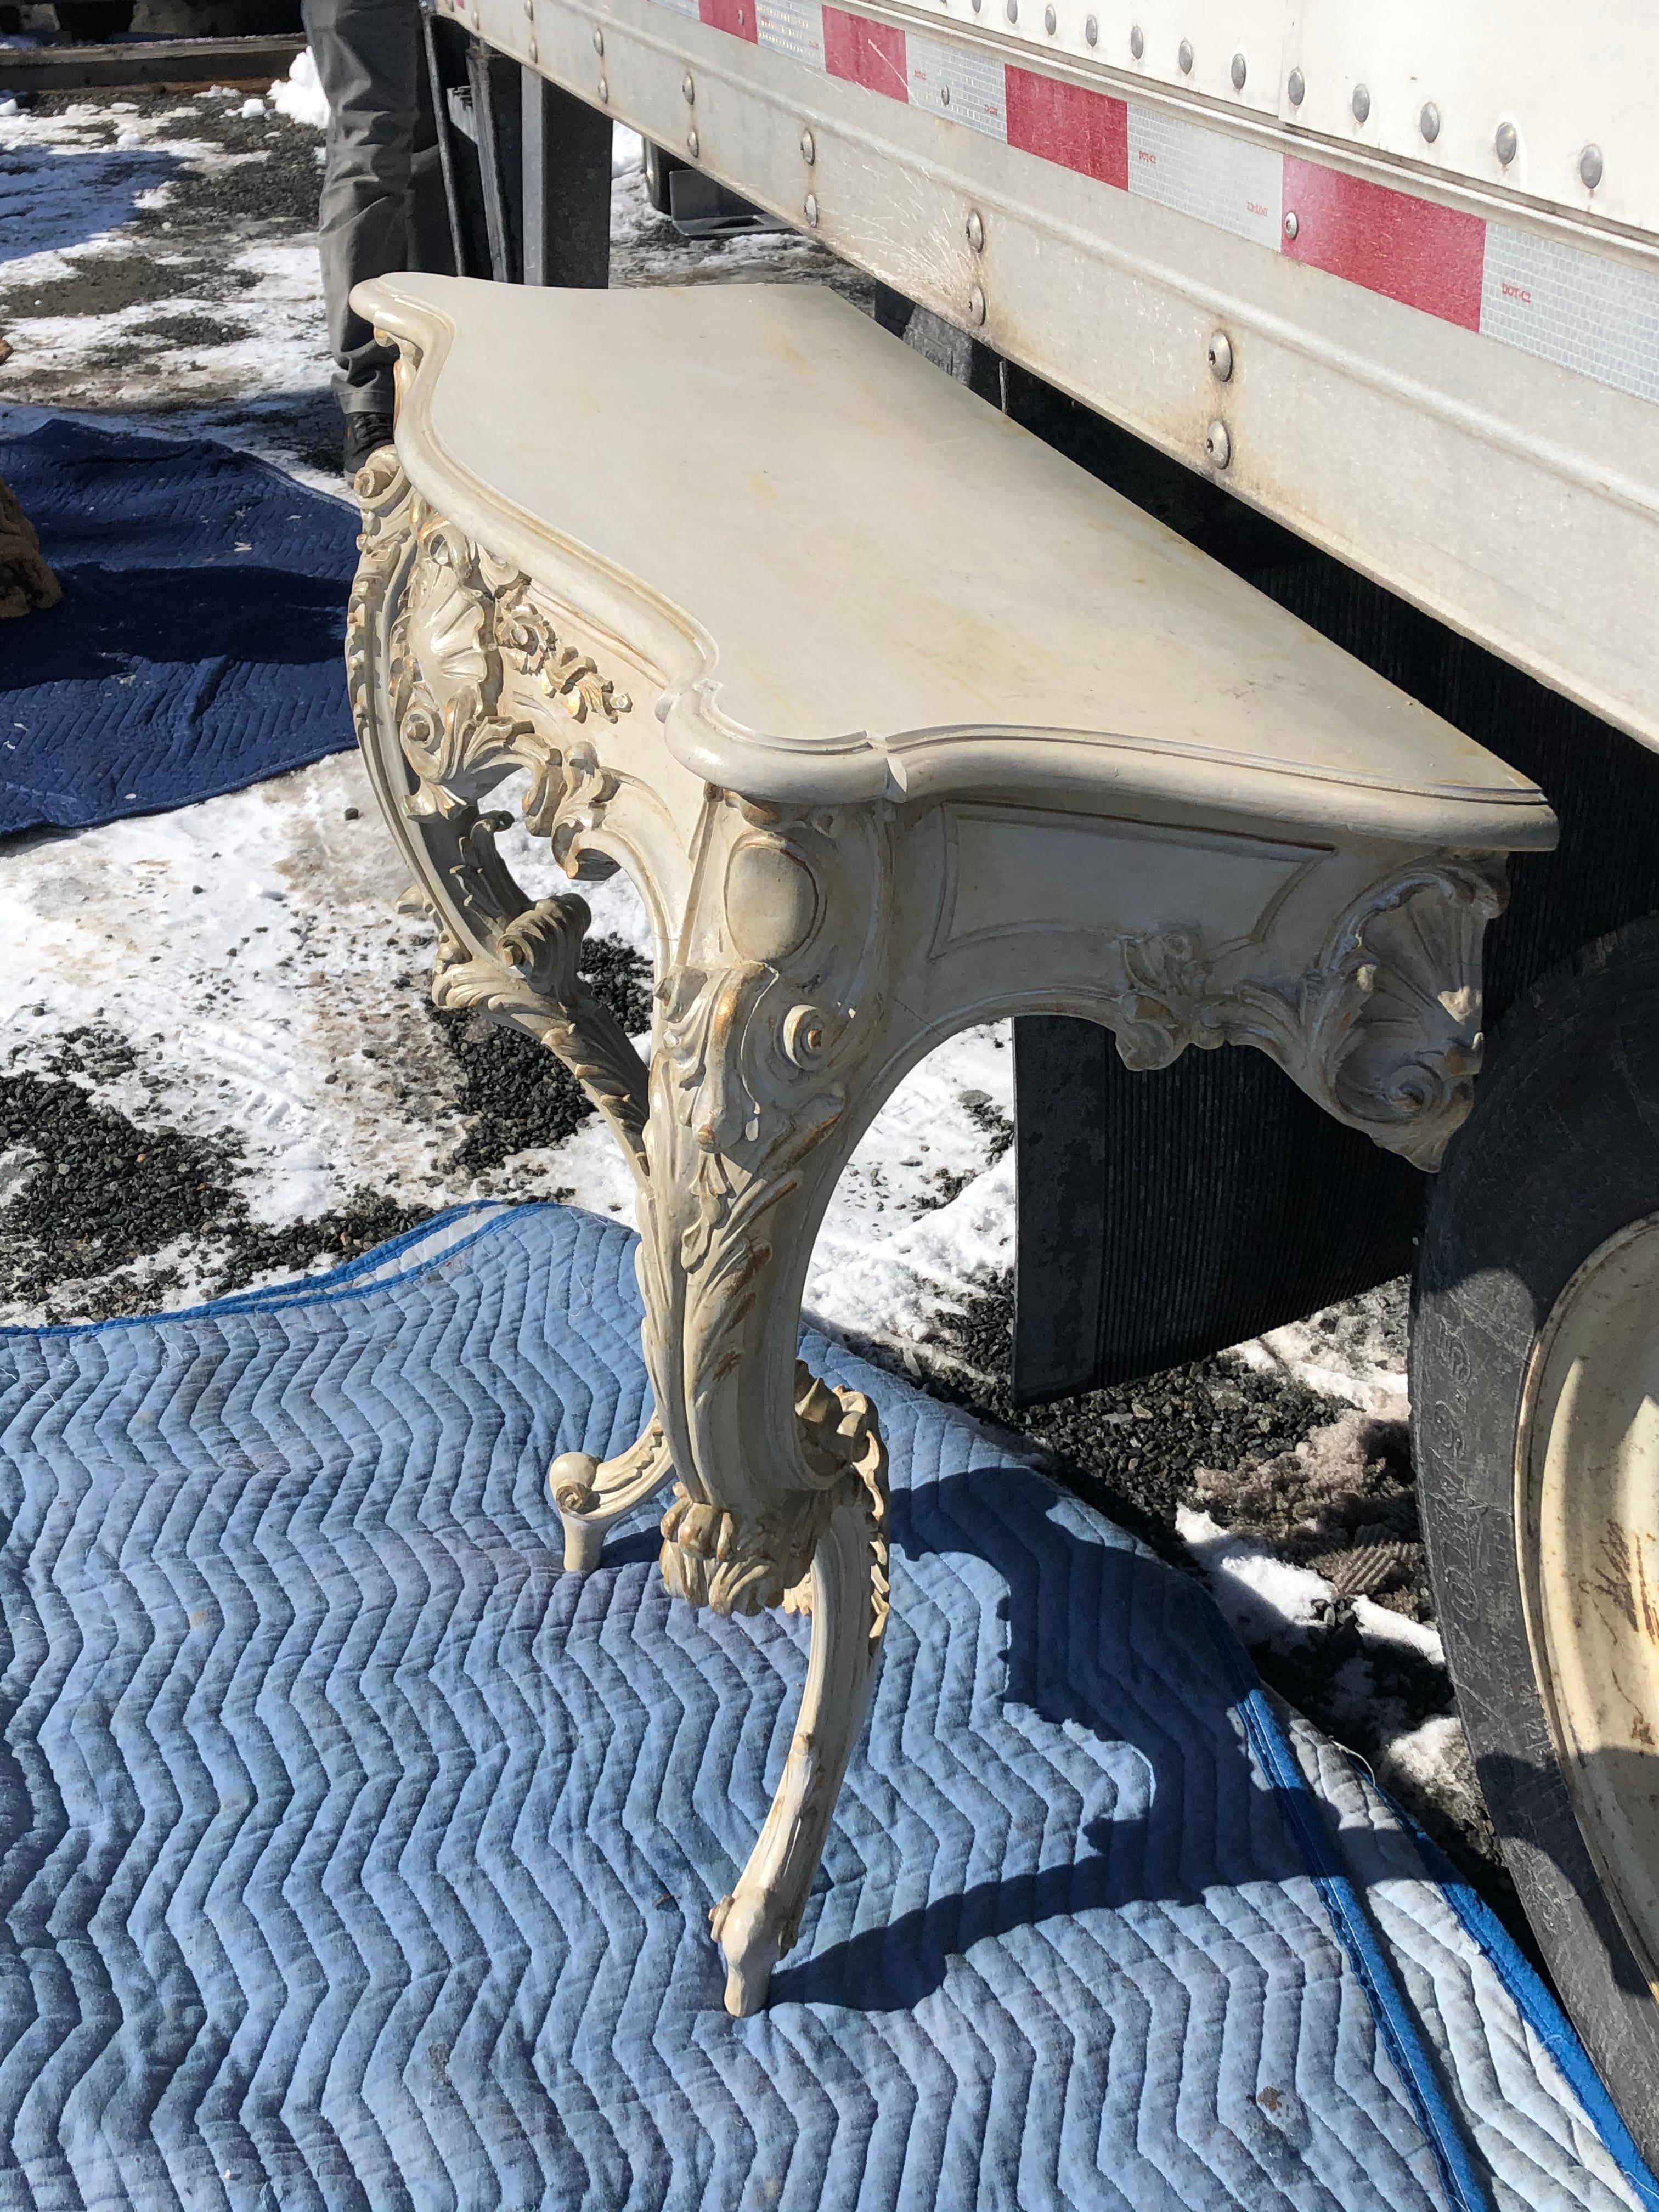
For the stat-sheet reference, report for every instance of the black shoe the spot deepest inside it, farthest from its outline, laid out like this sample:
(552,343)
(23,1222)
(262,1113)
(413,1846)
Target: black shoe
(364,435)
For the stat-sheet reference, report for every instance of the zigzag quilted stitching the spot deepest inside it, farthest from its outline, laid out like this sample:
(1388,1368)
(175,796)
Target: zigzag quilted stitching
(1542,2154)
(353,1855)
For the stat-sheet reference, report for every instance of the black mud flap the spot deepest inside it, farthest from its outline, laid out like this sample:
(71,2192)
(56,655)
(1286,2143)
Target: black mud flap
(1165,1215)
(526,166)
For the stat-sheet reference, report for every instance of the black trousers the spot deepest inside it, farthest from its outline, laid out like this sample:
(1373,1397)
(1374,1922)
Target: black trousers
(383,196)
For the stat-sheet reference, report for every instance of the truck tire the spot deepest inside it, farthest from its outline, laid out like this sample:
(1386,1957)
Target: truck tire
(1534,1388)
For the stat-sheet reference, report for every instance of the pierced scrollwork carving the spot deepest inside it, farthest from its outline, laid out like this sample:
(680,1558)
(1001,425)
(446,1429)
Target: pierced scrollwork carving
(1384,1032)
(530,979)
(566,803)
(466,626)
(451,625)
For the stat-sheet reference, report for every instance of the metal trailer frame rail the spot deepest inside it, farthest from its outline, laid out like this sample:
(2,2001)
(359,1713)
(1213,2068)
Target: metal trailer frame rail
(178,64)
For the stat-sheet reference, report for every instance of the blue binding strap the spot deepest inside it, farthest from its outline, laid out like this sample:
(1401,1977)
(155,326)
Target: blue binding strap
(1466,2190)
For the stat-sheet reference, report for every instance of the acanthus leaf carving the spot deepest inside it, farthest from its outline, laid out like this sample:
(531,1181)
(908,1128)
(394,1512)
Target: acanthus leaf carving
(1166,1001)
(453,624)
(735,1563)
(1384,1031)
(759,1042)
(713,1557)
(467,622)
(531,978)
(525,634)
(566,803)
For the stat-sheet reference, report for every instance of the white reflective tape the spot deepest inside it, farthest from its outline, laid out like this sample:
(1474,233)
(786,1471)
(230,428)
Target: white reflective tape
(682,8)
(1207,174)
(959,82)
(794,27)
(1601,318)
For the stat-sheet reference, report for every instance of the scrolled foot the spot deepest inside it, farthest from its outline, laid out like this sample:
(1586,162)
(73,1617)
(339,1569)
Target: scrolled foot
(591,1495)
(751,1942)
(570,1482)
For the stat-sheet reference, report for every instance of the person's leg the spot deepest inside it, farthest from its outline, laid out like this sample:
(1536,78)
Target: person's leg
(369,63)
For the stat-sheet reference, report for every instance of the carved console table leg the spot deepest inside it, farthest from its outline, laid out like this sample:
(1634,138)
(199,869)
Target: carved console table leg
(777,1046)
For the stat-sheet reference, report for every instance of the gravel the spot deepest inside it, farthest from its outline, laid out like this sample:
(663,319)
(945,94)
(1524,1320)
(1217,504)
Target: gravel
(193,329)
(1136,1451)
(93,1190)
(104,1203)
(271,184)
(515,1095)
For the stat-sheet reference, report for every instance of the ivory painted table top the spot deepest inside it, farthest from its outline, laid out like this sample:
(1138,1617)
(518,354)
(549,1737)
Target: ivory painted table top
(876,580)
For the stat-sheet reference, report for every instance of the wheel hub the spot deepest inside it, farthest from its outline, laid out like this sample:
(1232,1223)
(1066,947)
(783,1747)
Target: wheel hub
(1586,1532)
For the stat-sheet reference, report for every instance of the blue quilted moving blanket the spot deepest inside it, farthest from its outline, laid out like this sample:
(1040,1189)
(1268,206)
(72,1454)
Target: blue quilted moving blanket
(197,645)
(353,1855)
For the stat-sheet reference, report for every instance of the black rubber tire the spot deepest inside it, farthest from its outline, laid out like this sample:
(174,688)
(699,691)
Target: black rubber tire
(1560,1153)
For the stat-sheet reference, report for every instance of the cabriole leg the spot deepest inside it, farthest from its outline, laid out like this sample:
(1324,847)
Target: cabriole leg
(777,1042)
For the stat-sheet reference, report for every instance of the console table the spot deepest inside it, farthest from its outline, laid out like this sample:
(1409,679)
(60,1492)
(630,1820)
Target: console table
(900,722)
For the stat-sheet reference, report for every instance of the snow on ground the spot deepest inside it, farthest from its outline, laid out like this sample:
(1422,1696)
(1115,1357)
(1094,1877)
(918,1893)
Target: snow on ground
(299,96)
(251,945)
(1266,1599)
(1355,1352)
(161,267)
(215,1030)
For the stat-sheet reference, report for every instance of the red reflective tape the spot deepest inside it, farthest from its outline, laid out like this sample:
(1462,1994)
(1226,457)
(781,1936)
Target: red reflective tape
(870,54)
(737,16)
(1080,130)
(1413,251)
